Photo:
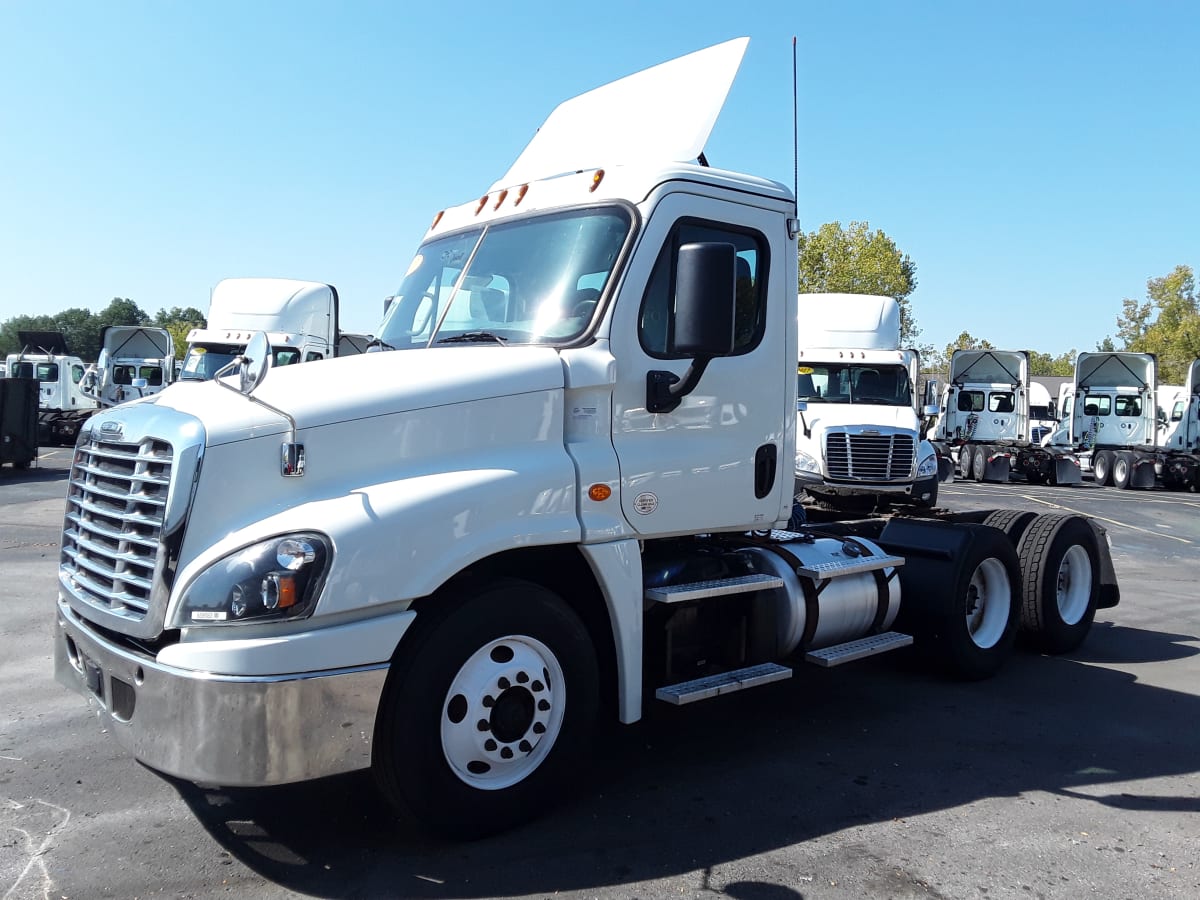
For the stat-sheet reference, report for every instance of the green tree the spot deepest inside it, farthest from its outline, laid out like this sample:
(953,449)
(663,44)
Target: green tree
(81,330)
(1166,323)
(857,260)
(179,321)
(122,311)
(10,341)
(1045,364)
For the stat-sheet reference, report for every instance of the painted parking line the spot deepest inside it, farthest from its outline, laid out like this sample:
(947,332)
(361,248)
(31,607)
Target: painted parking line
(1119,524)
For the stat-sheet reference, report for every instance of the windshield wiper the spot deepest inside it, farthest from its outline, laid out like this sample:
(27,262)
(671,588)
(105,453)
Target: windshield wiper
(379,342)
(472,337)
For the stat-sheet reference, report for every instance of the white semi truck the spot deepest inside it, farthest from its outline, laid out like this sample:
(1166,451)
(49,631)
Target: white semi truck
(1109,418)
(300,319)
(1179,433)
(555,498)
(63,406)
(135,361)
(858,440)
(986,421)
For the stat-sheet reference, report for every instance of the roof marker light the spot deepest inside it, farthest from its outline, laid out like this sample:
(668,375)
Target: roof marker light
(500,199)
(596,179)
(480,205)
(521,192)
(436,219)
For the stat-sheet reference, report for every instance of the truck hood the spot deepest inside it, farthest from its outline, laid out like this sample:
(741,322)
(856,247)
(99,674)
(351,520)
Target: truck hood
(822,417)
(365,386)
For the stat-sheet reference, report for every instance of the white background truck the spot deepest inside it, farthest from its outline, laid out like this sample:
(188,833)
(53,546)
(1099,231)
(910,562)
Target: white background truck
(300,319)
(985,420)
(1179,434)
(1109,417)
(858,440)
(63,407)
(135,361)
(545,516)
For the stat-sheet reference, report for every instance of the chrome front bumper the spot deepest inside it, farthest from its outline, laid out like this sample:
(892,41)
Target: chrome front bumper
(227,730)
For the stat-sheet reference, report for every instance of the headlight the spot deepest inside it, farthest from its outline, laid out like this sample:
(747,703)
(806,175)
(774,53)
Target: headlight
(805,463)
(928,466)
(272,581)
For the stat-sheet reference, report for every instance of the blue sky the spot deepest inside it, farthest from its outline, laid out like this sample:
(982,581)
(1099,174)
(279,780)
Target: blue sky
(1036,159)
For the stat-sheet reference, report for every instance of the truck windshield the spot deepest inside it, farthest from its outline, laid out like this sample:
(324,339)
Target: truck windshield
(880,385)
(532,281)
(203,361)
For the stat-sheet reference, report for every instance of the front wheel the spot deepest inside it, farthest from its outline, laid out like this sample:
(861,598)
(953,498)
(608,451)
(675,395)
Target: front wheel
(488,711)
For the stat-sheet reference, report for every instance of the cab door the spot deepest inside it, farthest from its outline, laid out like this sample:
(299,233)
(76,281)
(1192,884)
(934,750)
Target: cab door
(716,462)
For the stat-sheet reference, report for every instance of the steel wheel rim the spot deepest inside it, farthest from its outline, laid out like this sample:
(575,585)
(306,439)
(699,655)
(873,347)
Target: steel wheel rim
(1073,587)
(503,712)
(1120,470)
(989,603)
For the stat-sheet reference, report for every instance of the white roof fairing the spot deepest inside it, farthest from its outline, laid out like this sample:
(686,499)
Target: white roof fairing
(661,114)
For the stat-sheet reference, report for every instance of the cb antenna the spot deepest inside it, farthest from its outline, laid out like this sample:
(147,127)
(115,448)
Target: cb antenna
(794,225)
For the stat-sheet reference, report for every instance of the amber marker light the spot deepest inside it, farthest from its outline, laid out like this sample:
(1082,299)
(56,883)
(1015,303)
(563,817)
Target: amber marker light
(481,204)
(599,492)
(521,192)
(596,179)
(436,219)
(500,199)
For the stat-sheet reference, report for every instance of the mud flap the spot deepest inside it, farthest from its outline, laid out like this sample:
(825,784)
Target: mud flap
(1142,476)
(997,468)
(1110,591)
(1067,471)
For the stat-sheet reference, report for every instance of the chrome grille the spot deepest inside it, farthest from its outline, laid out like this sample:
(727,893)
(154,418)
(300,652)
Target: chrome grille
(869,457)
(116,503)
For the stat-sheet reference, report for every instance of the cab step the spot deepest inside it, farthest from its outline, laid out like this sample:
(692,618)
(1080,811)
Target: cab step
(859,649)
(717,587)
(724,683)
(839,567)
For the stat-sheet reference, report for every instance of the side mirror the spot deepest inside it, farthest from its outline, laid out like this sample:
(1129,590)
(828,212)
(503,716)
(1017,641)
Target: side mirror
(255,359)
(705,300)
(387,304)
(705,305)
(931,409)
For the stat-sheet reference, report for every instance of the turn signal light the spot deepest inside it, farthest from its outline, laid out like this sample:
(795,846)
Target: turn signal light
(599,492)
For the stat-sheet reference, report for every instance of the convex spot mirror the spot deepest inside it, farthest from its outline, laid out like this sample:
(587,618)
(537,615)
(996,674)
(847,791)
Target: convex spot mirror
(255,359)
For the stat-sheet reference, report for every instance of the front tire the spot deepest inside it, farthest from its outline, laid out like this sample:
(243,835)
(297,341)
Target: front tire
(1060,572)
(488,711)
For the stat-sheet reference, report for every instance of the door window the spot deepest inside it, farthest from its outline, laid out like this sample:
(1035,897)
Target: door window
(658,306)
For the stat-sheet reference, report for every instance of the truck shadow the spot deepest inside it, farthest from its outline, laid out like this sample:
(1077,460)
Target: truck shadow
(744,774)
(32,475)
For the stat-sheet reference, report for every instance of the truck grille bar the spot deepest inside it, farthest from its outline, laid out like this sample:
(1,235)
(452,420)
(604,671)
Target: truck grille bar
(116,503)
(869,457)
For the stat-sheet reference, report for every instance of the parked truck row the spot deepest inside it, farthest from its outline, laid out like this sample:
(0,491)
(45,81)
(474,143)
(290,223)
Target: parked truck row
(558,494)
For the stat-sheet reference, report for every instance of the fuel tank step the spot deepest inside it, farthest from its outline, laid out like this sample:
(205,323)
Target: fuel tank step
(724,683)
(859,649)
(838,567)
(717,587)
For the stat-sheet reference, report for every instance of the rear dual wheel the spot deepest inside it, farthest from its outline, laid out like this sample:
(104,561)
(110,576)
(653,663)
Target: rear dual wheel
(1060,583)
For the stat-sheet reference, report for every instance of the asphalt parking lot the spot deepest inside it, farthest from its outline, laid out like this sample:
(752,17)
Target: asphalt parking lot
(1067,777)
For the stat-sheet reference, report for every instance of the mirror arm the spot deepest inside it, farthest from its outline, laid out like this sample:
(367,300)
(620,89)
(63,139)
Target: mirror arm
(666,390)
(292,452)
